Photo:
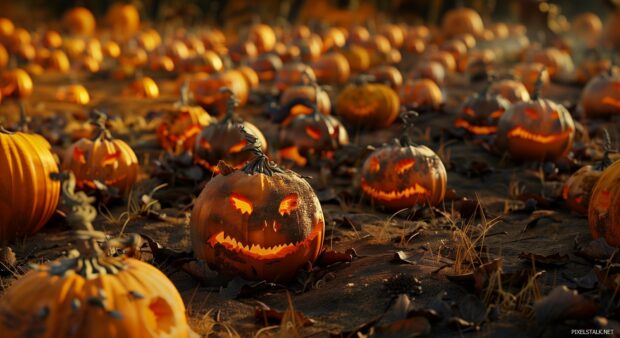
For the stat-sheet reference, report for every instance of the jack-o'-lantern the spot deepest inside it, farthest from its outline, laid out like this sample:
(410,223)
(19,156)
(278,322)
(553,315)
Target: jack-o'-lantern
(29,196)
(331,68)
(311,136)
(460,21)
(223,141)
(79,21)
(421,94)
(369,105)
(529,74)
(431,70)
(357,57)
(15,83)
(260,222)
(181,125)
(604,206)
(104,159)
(292,74)
(387,75)
(263,37)
(73,94)
(266,66)
(601,96)
(293,98)
(512,90)
(403,174)
(91,294)
(537,130)
(143,87)
(207,92)
(480,113)
(124,20)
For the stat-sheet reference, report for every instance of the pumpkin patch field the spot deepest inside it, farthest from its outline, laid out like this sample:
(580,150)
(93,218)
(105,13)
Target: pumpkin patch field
(309,169)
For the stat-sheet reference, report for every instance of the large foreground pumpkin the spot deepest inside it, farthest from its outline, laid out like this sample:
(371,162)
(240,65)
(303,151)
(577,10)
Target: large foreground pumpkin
(260,222)
(604,207)
(28,196)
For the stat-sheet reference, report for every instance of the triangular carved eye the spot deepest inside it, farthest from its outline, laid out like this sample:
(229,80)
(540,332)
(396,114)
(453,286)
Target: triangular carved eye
(238,147)
(404,165)
(78,155)
(111,158)
(288,204)
(205,144)
(375,166)
(469,111)
(497,114)
(241,203)
(313,132)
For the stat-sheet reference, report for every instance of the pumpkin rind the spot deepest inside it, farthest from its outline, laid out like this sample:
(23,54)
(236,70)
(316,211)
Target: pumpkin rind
(604,207)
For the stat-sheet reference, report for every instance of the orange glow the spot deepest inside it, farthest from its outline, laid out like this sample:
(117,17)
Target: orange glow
(313,132)
(111,158)
(375,166)
(292,154)
(415,190)
(555,115)
(497,114)
(78,155)
(519,132)
(469,111)
(241,203)
(300,109)
(611,101)
(478,130)
(205,144)
(531,113)
(404,165)
(565,192)
(288,204)
(188,134)
(238,147)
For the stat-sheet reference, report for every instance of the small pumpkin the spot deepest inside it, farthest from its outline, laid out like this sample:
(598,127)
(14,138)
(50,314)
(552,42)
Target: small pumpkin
(79,21)
(388,75)
(601,96)
(292,74)
(512,90)
(143,87)
(90,294)
(481,112)
(4,57)
(223,141)
(588,26)
(181,125)
(73,94)
(403,174)
(462,21)
(124,20)
(357,57)
(431,70)
(539,129)
(28,195)
(311,136)
(604,206)
(207,92)
(266,66)
(260,222)
(293,98)
(421,94)
(15,83)
(263,37)
(104,159)
(332,68)
(529,74)
(369,105)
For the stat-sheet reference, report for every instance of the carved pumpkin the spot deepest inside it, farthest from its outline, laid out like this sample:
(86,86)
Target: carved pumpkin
(260,222)
(332,68)
(403,174)
(28,195)
(223,141)
(293,97)
(604,207)
(73,94)
(539,129)
(601,96)
(143,87)
(266,66)
(15,83)
(92,295)
(357,57)
(181,125)
(369,105)
(387,75)
(105,159)
(263,37)
(480,113)
(460,21)
(292,74)
(421,94)
(79,21)
(512,90)
(311,136)
(207,90)
(578,188)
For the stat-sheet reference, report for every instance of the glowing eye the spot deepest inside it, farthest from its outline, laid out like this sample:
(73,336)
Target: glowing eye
(238,147)
(111,158)
(404,165)
(469,111)
(288,204)
(374,165)
(555,115)
(205,144)
(616,85)
(335,131)
(497,114)
(531,113)
(78,155)
(241,203)
(313,132)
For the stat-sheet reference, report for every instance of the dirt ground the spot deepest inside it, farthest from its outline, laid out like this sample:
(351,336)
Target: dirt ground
(341,299)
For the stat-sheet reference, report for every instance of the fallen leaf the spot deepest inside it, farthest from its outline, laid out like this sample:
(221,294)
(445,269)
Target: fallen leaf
(330,257)
(402,257)
(596,250)
(562,304)
(539,215)
(268,316)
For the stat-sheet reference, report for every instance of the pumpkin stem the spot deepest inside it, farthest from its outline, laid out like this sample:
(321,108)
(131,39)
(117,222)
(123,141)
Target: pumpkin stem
(317,92)
(99,119)
(407,117)
(606,161)
(231,103)
(490,79)
(24,119)
(539,84)
(185,93)
(260,164)
(363,79)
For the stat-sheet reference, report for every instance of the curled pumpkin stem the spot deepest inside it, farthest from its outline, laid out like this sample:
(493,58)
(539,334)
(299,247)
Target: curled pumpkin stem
(184,93)
(408,118)
(539,84)
(98,119)
(260,164)
(606,161)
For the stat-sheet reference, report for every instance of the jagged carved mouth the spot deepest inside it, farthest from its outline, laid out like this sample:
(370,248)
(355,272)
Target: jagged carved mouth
(415,190)
(521,133)
(474,129)
(611,101)
(257,251)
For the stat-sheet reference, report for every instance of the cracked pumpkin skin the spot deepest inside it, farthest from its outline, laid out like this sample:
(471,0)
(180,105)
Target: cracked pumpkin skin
(46,304)
(604,206)
(258,226)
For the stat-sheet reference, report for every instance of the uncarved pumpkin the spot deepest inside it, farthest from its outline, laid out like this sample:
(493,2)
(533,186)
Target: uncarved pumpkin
(604,208)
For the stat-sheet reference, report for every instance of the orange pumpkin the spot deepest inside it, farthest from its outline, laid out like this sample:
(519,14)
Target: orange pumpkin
(207,92)
(462,21)
(79,21)
(266,66)
(15,83)
(73,94)
(143,87)
(292,74)
(512,90)
(388,75)
(124,20)
(601,96)
(260,222)
(431,70)
(332,68)
(604,206)
(4,57)
(368,105)
(529,73)
(357,57)
(263,37)
(421,94)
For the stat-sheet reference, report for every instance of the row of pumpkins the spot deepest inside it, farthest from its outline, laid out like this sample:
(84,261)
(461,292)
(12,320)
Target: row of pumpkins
(254,218)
